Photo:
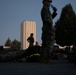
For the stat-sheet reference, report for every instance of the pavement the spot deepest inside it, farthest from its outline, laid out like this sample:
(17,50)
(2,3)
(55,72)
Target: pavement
(21,68)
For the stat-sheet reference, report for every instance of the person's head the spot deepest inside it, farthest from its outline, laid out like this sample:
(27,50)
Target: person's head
(36,43)
(31,34)
(47,2)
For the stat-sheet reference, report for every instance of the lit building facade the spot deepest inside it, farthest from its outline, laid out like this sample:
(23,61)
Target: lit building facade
(27,27)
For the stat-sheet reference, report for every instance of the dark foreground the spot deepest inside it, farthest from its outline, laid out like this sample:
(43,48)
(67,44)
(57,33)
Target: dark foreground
(22,68)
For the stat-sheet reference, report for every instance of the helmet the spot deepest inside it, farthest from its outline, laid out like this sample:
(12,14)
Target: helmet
(47,0)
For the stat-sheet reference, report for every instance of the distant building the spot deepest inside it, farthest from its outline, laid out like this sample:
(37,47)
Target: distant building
(27,27)
(6,47)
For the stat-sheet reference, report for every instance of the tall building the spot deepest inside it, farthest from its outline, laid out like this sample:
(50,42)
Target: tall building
(27,27)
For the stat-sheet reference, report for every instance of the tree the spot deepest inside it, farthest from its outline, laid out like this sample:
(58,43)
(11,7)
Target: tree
(66,27)
(8,42)
(15,45)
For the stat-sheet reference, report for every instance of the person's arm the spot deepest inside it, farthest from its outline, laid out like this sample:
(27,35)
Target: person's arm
(28,39)
(55,11)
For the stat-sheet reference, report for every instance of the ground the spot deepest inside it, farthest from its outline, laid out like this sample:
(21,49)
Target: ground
(22,68)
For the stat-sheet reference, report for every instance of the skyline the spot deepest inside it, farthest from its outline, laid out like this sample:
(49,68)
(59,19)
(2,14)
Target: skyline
(13,12)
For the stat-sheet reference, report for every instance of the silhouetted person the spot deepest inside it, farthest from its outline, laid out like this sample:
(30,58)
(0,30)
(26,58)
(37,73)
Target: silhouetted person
(36,44)
(1,49)
(48,30)
(37,47)
(30,39)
